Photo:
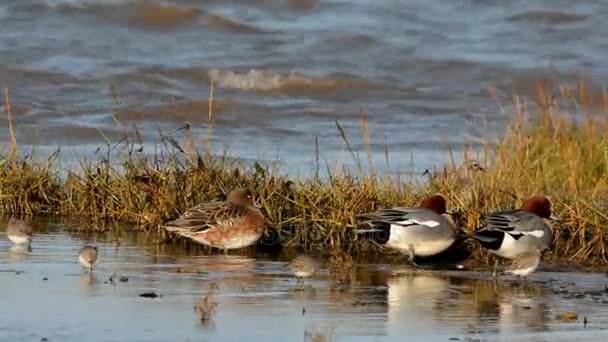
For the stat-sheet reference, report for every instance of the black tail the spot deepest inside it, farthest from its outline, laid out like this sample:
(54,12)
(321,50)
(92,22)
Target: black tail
(489,239)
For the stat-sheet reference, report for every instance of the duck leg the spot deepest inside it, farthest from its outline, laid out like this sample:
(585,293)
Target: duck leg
(411,256)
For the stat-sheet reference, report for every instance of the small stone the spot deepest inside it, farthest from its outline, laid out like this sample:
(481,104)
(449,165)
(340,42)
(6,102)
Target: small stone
(454,339)
(45,278)
(183,270)
(150,295)
(44,339)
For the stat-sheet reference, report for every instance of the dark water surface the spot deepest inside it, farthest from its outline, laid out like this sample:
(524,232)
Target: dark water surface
(284,70)
(257,298)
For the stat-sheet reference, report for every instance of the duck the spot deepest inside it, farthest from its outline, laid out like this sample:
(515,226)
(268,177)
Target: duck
(231,224)
(421,231)
(512,233)
(19,231)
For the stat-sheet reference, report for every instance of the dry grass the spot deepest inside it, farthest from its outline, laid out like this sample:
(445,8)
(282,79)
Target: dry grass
(543,151)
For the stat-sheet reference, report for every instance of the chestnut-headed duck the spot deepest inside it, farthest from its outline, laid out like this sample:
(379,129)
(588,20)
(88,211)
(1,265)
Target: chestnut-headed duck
(512,233)
(422,231)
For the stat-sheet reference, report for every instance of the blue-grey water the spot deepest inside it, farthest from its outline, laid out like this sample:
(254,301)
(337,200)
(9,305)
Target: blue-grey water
(45,293)
(423,72)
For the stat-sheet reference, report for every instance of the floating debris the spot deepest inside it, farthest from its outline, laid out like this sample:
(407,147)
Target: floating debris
(45,279)
(44,339)
(183,270)
(303,311)
(150,295)
(123,279)
(568,316)
(585,322)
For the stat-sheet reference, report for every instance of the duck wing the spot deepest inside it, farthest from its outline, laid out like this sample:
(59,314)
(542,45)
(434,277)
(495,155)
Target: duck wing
(514,222)
(404,217)
(208,215)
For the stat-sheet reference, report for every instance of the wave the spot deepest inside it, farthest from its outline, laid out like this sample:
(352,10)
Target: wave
(224,24)
(83,3)
(159,15)
(266,80)
(548,17)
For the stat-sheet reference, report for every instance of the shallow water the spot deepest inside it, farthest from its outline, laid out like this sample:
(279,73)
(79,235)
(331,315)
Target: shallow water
(284,70)
(256,297)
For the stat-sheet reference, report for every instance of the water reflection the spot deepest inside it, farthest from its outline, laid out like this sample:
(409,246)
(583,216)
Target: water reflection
(88,283)
(258,297)
(19,253)
(410,297)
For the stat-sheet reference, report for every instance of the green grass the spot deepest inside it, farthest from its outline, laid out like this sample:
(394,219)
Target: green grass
(543,151)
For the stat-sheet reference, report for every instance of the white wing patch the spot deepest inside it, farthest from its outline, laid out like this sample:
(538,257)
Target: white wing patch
(536,233)
(429,223)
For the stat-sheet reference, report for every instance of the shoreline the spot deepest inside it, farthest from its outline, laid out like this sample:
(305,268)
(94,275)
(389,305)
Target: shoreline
(547,152)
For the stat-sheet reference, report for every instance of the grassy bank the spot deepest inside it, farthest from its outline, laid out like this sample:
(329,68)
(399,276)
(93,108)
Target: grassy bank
(543,151)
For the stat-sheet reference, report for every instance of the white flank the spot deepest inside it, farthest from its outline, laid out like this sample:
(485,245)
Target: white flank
(429,223)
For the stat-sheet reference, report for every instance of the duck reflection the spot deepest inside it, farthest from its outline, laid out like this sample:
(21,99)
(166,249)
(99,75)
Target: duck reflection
(415,302)
(434,301)
(499,307)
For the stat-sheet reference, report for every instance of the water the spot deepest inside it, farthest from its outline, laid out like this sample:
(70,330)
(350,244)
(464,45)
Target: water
(285,70)
(257,298)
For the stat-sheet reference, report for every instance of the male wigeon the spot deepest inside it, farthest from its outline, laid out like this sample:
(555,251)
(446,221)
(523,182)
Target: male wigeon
(20,231)
(512,233)
(233,224)
(423,231)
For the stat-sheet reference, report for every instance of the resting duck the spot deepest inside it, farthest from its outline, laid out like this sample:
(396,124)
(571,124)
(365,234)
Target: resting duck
(512,233)
(235,223)
(416,231)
